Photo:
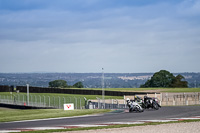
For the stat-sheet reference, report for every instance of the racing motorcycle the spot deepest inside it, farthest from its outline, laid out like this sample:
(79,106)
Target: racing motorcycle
(134,106)
(151,103)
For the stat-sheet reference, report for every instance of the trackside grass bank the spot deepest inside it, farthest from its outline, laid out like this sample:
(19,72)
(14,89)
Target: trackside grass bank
(110,126)
(7,115)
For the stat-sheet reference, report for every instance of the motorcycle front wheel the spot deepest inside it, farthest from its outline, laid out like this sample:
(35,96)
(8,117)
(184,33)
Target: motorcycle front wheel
(155,106)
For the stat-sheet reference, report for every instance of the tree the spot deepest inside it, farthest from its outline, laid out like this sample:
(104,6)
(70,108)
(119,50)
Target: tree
(58,83)
(179,81)
(78,85)
(165,79)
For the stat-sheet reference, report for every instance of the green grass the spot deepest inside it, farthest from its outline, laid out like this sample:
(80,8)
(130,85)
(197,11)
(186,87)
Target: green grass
(7,115)
(110,126)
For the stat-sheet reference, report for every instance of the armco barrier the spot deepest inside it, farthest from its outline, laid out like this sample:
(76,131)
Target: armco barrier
(77,91)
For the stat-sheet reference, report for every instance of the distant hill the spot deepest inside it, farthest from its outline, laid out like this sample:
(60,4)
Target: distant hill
(89,80)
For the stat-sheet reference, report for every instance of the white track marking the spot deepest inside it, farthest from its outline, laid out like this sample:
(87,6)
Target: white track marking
(84,125)
(125,123)
(8,131)
(186,118)
(157,120)
(43,128)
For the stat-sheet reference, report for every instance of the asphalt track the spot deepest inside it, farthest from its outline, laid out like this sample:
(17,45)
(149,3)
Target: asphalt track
(162,113)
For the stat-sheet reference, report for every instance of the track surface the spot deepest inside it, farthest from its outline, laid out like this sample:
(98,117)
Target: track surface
(163,113)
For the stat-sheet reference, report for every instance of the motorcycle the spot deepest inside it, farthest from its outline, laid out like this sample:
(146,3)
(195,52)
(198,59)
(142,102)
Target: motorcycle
(134,106)
(151,103)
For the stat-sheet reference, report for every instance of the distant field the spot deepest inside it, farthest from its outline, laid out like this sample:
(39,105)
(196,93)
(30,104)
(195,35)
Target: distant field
(147,89)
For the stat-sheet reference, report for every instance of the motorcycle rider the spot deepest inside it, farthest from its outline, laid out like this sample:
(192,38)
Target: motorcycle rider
(139,100)
(147,101)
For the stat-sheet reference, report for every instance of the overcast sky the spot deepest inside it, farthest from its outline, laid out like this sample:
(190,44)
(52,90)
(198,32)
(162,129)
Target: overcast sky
(121,36)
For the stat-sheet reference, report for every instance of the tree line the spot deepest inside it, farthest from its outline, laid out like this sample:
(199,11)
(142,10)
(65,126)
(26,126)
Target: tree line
(63,84)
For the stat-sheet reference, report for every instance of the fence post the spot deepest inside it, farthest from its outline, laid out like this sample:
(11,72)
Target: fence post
(49,100)
(174,101)
(75,101)
(167,98)
(186,100)
(7,99)
(18,98)
(40,99)
(80,103)
(58,102)
(31,100)
(36,100)
(44,102)
(23,98)
(98,102)
(53,101)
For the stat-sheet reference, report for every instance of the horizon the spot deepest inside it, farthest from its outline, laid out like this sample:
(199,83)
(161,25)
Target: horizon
(83,72)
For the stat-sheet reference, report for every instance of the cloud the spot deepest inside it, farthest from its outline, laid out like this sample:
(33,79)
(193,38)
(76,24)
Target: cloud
(127,38)
(189,8)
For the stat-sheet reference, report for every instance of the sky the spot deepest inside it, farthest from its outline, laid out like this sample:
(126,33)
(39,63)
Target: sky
(83,36)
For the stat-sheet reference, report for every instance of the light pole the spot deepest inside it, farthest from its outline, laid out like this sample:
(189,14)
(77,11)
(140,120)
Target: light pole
(103,91)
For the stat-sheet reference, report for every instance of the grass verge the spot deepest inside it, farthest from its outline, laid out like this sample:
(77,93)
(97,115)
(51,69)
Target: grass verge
(110,126)
(7,115)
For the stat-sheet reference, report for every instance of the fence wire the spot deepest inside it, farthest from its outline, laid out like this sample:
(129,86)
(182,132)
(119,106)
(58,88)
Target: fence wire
(42,100)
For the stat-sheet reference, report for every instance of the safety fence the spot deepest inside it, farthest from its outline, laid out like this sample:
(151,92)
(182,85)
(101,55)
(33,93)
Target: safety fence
(36,100)
(43,100)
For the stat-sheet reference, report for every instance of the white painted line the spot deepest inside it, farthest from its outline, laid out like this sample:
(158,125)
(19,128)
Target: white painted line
(84,125)
(158,120)
(8,131)
(186,118)
(43,128)
(126,123)
(55,118)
